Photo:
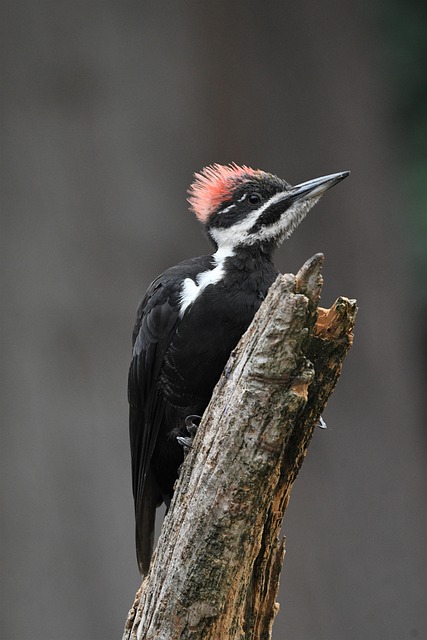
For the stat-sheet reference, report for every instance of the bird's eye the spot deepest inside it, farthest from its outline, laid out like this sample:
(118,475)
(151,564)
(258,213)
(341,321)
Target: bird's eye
(254,198)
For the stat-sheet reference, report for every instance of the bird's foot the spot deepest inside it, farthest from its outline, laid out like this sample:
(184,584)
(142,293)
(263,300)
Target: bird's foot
(191,424)
(322,424)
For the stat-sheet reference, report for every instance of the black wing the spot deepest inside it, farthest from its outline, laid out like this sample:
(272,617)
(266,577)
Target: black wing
(154,329)
(156,322)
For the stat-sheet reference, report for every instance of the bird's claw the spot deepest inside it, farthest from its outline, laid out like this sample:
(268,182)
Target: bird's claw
(185,442)
(322,424)
(191,424)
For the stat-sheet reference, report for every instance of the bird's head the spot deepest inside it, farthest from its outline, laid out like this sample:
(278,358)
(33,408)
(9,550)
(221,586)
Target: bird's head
(241,206)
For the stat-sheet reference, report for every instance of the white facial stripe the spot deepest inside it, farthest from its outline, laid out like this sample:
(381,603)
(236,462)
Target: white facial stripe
(232,206)
(284,227)
(192,289)
(238,233)
(235,233)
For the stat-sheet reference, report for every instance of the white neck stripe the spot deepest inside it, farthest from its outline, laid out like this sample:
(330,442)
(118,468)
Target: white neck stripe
(192,289)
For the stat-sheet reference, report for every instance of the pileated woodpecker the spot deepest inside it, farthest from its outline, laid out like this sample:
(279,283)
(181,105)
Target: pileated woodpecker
(193,315)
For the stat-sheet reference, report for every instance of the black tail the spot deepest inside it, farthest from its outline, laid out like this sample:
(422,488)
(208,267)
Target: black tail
(145,513)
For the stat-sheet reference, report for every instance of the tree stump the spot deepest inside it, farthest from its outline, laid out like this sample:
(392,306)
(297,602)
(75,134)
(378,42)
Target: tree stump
(215,572)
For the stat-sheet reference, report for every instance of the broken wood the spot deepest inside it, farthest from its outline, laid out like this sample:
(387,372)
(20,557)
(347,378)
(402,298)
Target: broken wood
(215,572)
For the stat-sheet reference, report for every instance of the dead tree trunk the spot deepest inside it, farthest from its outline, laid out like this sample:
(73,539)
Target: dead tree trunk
(215,572)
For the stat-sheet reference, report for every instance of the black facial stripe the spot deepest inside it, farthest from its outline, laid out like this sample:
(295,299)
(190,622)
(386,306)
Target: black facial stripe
(224,219)
(271,215)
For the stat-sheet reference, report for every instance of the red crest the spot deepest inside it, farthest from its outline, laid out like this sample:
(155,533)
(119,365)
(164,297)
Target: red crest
(212,186)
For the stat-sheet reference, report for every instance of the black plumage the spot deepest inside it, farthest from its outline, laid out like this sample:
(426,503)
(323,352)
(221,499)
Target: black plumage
(175,365)
(193,315)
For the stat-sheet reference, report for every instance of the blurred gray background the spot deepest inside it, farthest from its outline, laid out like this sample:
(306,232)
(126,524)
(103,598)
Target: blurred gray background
(108,109)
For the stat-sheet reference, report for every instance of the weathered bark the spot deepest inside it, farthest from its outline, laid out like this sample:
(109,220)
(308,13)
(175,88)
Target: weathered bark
(215,572)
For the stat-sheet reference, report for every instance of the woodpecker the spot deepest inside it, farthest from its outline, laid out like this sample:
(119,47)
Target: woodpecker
(193,315)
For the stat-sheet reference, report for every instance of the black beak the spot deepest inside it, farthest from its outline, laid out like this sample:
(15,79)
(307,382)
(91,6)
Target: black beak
(315,188)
